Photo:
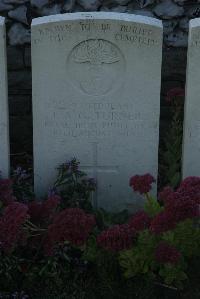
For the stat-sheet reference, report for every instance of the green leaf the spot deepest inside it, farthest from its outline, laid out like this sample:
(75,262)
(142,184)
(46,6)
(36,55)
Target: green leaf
(169,237)
(173,275)
(91,250)
(152,207)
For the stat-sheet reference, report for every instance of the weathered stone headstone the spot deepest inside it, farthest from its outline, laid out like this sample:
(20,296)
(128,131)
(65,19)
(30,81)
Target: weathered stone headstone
(96,96)
(191,138)
(4,144)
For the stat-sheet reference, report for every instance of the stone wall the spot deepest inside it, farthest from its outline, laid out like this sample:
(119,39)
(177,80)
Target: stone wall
(174,13)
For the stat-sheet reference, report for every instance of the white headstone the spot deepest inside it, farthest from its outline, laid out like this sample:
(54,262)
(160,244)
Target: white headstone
(96,96)
(191,138)
(4,143)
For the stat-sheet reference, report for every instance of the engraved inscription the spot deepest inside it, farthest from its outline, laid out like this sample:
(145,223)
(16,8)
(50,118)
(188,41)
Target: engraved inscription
(196,43)
(135,35)
(136,30)
(140,40)
(126,33)
(92,25)
(94,123)
(96,66)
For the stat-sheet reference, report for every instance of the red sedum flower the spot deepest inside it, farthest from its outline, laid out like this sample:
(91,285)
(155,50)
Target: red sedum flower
(162,222)
(190,187)
(177,209)
(44,211)
(142,183)
(6,192)
(35,211)
(140,221)
(72,225)
(50,205)
(182,207)
(167,254)
(117,238)
(11,232)
(165,194)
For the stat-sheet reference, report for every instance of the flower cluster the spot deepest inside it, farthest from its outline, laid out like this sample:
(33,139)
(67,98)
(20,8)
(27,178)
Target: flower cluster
(179,205)
(177,209)
(189,190)
(15,215)
(41,212)
(190,187)
(117,238)
(165,194)
(140,221)
(6,192)
(142,183)
(72,225)
(162,223)
(166,253)
(182,207)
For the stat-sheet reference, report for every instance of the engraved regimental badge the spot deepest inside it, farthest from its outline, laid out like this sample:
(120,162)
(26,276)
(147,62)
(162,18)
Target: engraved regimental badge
(96,66)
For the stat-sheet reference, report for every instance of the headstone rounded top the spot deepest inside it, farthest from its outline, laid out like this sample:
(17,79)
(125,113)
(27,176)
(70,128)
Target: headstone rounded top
(97,15)
(2,20)
(194,22)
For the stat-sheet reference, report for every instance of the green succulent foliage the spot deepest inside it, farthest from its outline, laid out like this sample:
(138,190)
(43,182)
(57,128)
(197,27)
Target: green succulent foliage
(173,275)
(91,250)
(140,258)
(152,206)
(186,237)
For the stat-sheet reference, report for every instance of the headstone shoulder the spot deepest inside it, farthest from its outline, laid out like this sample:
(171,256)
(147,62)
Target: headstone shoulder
(2,21)
(194,23)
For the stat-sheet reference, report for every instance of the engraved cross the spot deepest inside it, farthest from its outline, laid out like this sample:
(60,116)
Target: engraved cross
(96,169)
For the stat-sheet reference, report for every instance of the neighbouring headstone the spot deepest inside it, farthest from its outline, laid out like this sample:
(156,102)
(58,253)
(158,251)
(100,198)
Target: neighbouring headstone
(96,96)
(191,137)
(4,143)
